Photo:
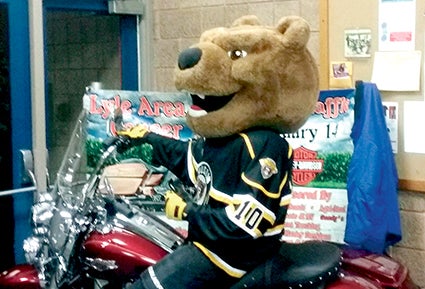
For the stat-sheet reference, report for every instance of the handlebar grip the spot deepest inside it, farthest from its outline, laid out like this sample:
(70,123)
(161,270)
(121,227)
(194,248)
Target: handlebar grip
(121,142)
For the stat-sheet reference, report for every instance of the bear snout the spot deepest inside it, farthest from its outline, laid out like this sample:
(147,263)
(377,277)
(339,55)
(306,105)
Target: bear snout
(189,57)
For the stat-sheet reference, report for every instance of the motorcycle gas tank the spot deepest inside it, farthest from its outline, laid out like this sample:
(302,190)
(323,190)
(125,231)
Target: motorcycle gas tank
(20,277)
(119,253)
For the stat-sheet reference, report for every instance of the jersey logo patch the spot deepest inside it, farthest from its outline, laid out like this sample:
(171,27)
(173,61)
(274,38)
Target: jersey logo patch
(203,183)
(268,167)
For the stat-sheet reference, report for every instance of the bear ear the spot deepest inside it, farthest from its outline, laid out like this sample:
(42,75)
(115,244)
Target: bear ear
(295,30)
(246,20)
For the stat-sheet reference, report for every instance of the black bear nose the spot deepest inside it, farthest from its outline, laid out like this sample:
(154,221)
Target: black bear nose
(189,58)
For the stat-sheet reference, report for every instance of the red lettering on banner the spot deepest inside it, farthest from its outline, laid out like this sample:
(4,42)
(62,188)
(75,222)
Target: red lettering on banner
(108,106)
(169,130)
(168,108)
(332,107)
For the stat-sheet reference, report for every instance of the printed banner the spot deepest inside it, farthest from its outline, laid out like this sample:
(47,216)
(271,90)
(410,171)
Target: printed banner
(131,174)
(163,112)
(322,153)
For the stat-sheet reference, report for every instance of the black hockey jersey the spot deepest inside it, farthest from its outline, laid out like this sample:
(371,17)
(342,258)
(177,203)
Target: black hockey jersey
(248,180)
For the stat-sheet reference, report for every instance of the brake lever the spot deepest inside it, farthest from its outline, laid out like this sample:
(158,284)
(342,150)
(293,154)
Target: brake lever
(116,205)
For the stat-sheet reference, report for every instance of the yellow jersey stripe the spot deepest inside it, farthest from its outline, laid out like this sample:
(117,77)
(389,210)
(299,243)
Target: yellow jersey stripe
(221,197)
(274,231)
(248,145)
(234,272)
(285,200)
(191,164)
(260,187)
(283,183)
(289,152)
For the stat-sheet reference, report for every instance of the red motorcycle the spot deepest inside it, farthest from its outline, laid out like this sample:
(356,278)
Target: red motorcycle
(86,237)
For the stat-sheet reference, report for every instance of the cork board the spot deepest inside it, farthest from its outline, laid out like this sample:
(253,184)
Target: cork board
(341,15)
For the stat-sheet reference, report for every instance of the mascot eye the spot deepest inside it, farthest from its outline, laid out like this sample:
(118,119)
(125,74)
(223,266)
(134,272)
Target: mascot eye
(236,54)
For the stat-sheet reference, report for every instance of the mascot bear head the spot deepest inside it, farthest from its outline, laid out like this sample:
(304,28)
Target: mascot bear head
(249,75)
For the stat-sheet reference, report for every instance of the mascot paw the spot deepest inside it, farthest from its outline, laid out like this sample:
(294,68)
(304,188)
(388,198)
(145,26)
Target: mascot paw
(137,131)
(174,206)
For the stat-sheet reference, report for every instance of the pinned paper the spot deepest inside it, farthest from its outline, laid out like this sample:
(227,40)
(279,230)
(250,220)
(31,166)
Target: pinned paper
(414,131)
(397,70)
(397,21)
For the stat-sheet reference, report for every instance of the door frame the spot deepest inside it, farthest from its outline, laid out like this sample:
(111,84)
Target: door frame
(22,128)
(20,88)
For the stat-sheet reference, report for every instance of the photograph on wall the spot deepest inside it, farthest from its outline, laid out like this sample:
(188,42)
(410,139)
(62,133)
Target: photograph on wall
(341,74)
(357,43)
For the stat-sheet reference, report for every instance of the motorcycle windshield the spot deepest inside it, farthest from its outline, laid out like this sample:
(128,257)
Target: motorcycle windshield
(73,172)
(60,215)
(69,192)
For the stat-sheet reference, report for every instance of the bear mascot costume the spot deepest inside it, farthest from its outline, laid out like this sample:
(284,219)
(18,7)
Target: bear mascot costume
(249,85)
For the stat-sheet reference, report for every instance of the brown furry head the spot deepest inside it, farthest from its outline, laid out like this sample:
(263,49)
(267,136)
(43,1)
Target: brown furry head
(249,75)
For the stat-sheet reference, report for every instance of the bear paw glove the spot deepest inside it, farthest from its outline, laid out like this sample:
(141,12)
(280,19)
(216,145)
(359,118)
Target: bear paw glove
(137,131)
(174,206)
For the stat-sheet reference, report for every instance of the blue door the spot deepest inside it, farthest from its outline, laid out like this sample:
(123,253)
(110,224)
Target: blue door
(15,119)
(15,98)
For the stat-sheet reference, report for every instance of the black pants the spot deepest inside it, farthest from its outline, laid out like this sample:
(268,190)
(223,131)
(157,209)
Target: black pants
(185,268)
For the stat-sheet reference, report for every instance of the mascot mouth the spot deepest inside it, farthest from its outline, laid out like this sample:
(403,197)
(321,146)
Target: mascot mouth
(203,104)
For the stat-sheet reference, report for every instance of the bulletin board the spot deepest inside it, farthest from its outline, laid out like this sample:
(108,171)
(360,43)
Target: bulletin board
(338,16)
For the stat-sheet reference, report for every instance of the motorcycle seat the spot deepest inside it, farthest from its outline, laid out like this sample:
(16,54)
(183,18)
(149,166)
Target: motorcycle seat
(305,265)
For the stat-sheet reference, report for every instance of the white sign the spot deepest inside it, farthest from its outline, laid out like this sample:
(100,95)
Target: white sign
(397,71)
(397,21)
(414,131)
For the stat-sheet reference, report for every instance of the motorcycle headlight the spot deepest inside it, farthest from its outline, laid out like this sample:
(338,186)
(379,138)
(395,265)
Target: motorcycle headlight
(42,213)
(32,247)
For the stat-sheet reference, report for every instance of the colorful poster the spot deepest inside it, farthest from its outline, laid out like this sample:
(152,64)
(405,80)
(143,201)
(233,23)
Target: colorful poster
(131,174)
(163,112)
(322,153)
